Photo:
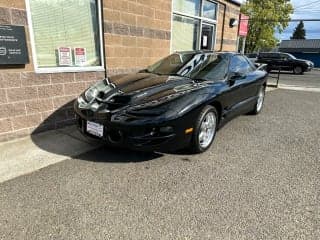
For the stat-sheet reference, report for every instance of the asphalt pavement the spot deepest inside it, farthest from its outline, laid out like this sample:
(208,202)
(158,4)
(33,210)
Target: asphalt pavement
(307,81)
(259,180)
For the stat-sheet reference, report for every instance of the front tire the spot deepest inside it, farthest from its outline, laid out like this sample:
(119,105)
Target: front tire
(205,129)
(297,70)
(260,100)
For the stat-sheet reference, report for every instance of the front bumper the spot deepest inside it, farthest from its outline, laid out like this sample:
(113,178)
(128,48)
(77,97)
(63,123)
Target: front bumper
(139,137)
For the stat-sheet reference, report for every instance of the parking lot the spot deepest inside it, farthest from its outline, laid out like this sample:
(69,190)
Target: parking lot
(308,81)
(259,180)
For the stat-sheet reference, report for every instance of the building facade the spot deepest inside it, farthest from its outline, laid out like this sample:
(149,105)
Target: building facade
(308,49)
(72,43)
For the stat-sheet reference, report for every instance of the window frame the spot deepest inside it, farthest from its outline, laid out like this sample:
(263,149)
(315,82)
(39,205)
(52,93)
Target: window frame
(245,60)
(203,20)
(58,69)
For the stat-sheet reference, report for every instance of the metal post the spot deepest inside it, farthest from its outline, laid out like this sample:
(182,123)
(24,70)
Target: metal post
(278,78)
(243,45)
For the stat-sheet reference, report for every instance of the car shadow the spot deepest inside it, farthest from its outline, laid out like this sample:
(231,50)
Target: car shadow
(59,136)
(117,155)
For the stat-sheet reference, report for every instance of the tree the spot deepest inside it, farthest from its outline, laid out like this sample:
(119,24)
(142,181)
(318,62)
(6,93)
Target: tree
(266,17)
(299,32)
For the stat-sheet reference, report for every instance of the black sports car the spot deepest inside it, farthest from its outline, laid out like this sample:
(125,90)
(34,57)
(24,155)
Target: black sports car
(178,102)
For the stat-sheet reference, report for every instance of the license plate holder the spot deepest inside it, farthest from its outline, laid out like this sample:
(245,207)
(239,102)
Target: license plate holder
(95,129)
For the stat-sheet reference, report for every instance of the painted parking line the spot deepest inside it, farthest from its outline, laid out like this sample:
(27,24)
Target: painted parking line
(299,88)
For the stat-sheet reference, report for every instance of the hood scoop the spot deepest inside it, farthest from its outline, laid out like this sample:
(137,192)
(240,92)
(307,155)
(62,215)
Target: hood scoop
(118,101)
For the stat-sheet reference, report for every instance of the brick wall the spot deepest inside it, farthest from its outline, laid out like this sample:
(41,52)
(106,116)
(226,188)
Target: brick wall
(229,35)
(137,33)
(31,102)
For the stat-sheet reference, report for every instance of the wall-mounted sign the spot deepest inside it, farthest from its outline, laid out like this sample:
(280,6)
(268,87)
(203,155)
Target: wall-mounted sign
(80,56)
(13,45)
(65,56)
(244,25)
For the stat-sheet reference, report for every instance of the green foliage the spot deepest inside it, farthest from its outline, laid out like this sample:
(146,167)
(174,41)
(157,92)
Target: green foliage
(299,32)
(266,17)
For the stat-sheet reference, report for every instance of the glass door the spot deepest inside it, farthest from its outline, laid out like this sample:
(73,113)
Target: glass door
(207,36)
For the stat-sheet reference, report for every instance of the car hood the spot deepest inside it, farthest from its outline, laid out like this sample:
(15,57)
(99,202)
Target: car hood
(302,60)
(305,61)
(144,94)
(143,88)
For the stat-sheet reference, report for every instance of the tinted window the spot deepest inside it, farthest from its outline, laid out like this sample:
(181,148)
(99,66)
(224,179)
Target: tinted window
(214,68)
(171,64)
(269,55)
(240,64)
(252,55)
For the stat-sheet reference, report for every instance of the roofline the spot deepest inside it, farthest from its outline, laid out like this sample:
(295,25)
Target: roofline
(235,2)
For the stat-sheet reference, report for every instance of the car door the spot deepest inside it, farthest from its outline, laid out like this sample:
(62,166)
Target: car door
(242,88)
(285,62)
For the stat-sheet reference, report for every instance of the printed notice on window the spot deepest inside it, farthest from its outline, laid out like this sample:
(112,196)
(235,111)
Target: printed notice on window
(80,56)
(65,56)
(205,41)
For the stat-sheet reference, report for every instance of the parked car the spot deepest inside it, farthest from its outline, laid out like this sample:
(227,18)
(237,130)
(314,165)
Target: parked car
(252,57)
(178,102)
(284,61)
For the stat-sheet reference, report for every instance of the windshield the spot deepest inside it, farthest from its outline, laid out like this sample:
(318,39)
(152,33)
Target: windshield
(201,66)
(214,68)
(171,64)
(291,56)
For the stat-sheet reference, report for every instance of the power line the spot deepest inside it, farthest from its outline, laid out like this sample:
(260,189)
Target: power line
(308,4)
(272,20)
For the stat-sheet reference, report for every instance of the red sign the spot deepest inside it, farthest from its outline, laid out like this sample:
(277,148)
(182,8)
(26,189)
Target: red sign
(65,58)
(244,25)
(80,56)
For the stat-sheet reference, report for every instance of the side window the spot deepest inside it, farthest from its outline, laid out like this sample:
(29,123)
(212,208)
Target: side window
(284,56)
(276,55)
(239,64)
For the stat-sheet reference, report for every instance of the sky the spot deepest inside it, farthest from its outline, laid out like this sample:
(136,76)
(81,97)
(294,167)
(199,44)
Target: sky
(307,9)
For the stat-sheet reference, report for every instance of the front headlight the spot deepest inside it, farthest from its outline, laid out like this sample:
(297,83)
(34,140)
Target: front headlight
(91,94)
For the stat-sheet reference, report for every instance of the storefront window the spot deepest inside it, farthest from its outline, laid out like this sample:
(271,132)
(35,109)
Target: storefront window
(191,7)
(209,10)
(185,32)
(193,24)
(66,34)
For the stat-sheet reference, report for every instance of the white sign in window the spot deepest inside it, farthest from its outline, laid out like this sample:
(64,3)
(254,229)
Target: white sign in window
(62,23)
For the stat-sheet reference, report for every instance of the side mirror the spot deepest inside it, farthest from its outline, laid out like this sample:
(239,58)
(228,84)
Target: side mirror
(236,75)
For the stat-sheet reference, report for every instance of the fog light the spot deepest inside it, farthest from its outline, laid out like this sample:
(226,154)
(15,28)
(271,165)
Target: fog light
(167,129)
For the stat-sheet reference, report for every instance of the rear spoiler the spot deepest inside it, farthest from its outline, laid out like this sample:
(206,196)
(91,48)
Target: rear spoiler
(261,66)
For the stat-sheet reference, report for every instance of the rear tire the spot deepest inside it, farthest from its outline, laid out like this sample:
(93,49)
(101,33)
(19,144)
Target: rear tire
(205,129)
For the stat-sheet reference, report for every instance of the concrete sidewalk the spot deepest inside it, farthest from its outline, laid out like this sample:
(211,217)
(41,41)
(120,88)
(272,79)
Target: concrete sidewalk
(28,154)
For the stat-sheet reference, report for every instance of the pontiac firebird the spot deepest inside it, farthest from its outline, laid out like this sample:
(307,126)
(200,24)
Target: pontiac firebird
(177,103)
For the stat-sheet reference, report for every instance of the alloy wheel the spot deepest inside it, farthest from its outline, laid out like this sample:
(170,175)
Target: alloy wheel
(207,129)
(260,99)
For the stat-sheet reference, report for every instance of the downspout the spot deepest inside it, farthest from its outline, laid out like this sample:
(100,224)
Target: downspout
(223,23)
(103,41)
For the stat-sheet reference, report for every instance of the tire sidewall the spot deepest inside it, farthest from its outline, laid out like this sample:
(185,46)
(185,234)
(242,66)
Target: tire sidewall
(298,72)
(254,110)
(197,148)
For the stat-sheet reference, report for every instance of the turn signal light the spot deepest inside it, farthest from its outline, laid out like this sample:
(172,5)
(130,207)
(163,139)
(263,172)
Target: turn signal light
(188,130)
